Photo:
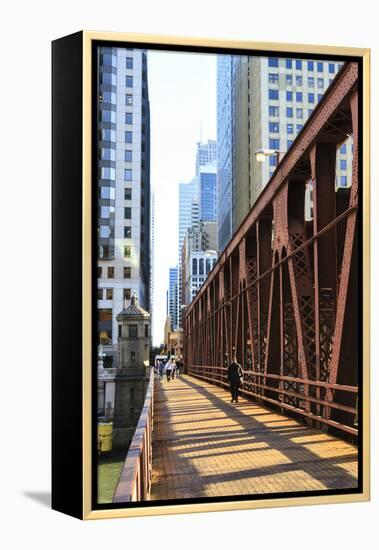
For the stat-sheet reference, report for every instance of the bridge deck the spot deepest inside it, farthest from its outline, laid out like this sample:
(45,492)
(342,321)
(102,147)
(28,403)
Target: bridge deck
(205,446)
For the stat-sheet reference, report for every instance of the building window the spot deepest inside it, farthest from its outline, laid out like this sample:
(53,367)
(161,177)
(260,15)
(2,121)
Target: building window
(99,272)
(129,82)
(299,81)
(110,272)
(129,99)
(129,63)
(289,128)
(299,97)
(128,118)
(343,164)
(128,137)
(343,181)
(299,127)
(310,65)
(289,143)
(273,110)
(273,127)
(127,251)
(310,112)
(320,83)
(289,79)
(109,293)
(127,213)
(320,67)
(273,62)
(289,112)
(332,68)
(311,98)
(273,78)
(299,113)
(128,193)
(99,293)
(298,64)
(126,294)
(133,331)
(319,97)
(128,156)
(288,63)
(273,144)
(201,266)
(146,331)
(343,148)
(194,266)
(104,314)
(127,232)
(108,173)
(272,160)
(289,96)
(108,154)
(127,174)
(273,94)
(127,272)
(311,82)
(105,232)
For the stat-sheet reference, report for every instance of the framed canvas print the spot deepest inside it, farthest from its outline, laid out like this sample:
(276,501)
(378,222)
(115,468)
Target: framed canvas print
(210,275)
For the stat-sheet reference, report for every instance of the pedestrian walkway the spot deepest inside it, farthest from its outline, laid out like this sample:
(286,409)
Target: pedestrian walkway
(205,446)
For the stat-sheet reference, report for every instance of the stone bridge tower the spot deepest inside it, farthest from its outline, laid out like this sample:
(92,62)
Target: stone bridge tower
(133,371)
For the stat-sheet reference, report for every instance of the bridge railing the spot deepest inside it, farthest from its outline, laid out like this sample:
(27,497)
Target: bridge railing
(269,388)
(135,479)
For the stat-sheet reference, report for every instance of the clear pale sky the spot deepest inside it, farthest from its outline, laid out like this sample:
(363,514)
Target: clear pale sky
(182,92)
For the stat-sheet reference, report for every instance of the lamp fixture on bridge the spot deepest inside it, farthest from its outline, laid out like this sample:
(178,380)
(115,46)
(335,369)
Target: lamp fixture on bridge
(262,154)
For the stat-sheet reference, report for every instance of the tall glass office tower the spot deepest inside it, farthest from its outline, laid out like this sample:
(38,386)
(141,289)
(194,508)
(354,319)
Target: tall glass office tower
(263,103)
(123,188)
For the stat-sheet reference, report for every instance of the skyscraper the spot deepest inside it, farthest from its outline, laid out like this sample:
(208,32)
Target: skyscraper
(206,153)
(172,303)
(123,188)
(224,148)
(207,191)
(263,103)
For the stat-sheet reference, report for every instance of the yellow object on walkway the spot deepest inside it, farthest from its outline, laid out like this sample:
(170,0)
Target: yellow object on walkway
(104,436)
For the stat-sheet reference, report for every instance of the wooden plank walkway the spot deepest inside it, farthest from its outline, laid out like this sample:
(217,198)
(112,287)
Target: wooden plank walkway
(205,446)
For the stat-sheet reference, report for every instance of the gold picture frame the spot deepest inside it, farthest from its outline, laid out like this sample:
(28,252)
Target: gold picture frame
(84,509)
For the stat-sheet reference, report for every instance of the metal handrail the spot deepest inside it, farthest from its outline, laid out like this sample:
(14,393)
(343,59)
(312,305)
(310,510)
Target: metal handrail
(135,479)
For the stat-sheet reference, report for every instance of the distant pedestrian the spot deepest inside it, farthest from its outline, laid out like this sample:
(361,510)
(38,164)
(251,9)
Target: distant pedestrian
(161,369)
(173,368)
(168,370)
(235,377)
(179,364)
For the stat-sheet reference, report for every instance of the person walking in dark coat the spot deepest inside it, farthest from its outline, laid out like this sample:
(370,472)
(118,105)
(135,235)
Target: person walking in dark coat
(235,377)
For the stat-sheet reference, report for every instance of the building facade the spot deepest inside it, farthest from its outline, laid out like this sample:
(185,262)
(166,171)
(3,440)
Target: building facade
(263,103)
(123,189)
(196,268)
(172,302)
(205,153)
(207,192)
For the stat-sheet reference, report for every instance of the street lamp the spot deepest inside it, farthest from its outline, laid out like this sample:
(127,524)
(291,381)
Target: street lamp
(262,154)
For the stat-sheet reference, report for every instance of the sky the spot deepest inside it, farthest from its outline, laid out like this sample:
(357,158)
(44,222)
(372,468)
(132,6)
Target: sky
(183,102)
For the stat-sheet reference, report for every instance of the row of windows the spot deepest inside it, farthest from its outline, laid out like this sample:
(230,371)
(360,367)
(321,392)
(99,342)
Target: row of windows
(275,144)
(108,272)
(110,154)
(273,78)
(106,232)
(298,64)
(209,264)
(290,96)
(273,128)
(273,110)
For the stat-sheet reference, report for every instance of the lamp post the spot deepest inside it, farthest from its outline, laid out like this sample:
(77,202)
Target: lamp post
(262,154)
